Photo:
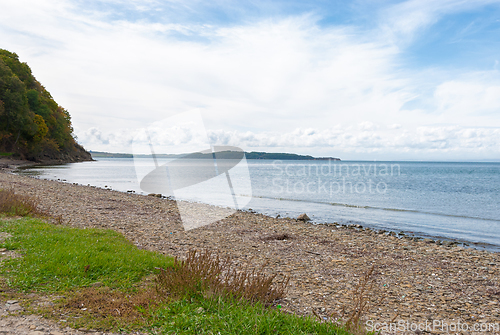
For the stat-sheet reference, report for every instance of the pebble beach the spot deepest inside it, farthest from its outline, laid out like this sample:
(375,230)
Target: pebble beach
(416,281)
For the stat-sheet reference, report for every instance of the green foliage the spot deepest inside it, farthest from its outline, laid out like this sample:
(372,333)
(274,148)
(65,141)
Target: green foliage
(58,258)
(42,129)
(220,316)
(31,121)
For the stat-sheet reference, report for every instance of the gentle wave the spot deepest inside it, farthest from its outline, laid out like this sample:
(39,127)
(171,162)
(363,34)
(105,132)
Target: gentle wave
(374,207)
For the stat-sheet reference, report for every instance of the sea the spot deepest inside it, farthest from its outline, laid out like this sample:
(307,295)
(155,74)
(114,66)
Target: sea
(457,201)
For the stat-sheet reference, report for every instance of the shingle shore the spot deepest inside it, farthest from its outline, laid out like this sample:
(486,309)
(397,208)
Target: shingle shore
(418,281)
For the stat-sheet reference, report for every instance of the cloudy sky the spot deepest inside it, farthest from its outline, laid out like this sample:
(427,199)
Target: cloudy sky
(365,79)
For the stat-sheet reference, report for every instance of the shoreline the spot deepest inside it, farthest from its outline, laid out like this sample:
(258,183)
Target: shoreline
(419,280)
(11,164)
(399,232)
(402,233)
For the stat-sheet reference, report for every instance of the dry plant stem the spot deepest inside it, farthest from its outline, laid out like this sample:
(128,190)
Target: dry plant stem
(361,295)
(16,204)
(206,273)
(102,303)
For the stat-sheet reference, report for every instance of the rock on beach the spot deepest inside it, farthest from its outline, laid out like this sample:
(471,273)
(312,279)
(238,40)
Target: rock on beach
(303,217)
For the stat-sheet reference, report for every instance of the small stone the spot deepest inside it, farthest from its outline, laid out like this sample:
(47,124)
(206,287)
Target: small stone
(3,249)
(303,217)
(13,308)
(12,302)
(199,310)
(45,304)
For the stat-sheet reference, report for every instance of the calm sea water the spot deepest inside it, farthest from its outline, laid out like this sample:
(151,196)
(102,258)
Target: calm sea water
(459,201)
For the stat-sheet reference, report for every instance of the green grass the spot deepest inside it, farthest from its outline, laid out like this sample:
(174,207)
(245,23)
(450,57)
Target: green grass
(6,153)
(220,316)
(57,258)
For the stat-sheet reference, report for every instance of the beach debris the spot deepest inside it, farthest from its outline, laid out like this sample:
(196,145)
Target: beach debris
(303,217)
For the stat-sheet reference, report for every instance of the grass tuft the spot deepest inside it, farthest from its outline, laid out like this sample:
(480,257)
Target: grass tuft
(14,204)
(210,275)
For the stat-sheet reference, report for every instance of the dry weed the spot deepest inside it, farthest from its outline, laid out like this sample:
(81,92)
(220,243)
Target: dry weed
(208,274)
(108,307)
(365,296)
(15,204)
(361,298)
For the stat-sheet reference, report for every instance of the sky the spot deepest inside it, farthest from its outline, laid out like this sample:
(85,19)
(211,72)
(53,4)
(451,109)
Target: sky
(368,80)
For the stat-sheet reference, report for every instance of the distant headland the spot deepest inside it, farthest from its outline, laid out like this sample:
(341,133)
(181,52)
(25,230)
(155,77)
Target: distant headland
(221,155)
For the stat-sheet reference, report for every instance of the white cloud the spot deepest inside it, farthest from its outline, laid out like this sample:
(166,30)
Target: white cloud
(403,21)
(468,97)
(278,70)
(338,87)
(445,142)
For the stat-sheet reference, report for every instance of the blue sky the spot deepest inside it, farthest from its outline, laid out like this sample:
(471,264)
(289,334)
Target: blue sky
(358,80)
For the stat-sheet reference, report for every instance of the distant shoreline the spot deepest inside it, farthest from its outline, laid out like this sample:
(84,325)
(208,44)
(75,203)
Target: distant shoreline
(222,155)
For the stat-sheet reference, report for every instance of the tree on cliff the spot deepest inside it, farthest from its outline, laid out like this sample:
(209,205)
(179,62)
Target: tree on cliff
(32,124)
